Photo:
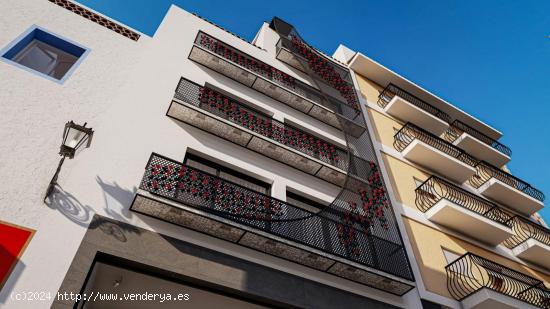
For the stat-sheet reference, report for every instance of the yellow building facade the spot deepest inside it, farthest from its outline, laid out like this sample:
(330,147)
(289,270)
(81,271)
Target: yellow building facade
(476,240)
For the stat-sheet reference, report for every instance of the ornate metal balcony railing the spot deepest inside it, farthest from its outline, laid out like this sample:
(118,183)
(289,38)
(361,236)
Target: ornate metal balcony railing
(277,77)
(409,132)
(435,189)
(486,171)
(229,109)
(192,187)
(391,91)
(471,273)
(525,230)
(456,129)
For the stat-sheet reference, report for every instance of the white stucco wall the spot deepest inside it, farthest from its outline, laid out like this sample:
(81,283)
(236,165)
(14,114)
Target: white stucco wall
(123,90)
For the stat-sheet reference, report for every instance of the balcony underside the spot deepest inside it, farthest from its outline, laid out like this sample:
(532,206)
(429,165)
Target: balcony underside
(195,219)
(225,129)
(488,299)
(481,150)
(407,112)
(273,90)
(287,57)
(438,161)
(510,196)
(535,252)
(467,222)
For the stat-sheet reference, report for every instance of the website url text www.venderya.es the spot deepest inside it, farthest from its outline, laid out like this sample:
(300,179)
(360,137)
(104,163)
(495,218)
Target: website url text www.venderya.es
(94,296)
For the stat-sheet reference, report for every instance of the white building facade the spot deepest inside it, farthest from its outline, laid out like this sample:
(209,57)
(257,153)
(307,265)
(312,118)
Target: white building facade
(238,173)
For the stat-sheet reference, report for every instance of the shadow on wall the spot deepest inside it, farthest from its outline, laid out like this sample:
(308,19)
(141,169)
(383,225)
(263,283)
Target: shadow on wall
(68,205)
(117,203)
(117,199)
(115,230)
(12,276)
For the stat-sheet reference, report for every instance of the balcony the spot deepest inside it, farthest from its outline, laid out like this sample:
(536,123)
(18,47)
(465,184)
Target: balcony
(288,51)
(455,208)
(506,189)
(479,283)
(296,48)
(408,108)
(477,144)
(332,79)
(185,196)
(231,62)
(434,153)
(530,241)
(216,113)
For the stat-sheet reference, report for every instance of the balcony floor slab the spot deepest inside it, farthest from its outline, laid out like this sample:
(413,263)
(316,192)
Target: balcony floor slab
(488,299)
(535,252)
(510,196)
(220,65)
(481,150)
(467,222)
(287,57)
(407,112)
(438,161)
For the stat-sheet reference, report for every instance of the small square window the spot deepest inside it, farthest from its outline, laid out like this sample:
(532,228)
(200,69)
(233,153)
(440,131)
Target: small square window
(44,53)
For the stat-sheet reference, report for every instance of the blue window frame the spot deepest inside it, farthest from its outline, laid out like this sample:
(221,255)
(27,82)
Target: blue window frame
(44,53)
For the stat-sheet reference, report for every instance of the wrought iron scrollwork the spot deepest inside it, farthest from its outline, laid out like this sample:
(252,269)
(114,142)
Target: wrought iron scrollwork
(524,230)
(392,90)
(457,128)
(409,132)
(471,273)
(486,171)
(434,189)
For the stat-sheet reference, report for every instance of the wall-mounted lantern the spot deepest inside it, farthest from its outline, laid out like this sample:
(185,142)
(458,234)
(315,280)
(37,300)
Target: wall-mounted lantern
(74,138)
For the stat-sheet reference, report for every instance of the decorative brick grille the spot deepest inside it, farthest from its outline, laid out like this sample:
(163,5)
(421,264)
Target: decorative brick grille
(77,9)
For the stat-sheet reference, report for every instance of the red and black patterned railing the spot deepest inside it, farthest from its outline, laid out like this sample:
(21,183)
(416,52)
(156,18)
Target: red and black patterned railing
(410,132)
(341,69)
(471,273)
(486,171)
(457,128)
(435,189)
(392,90)
(276,76)
(524,230)
(230,109)
(356,242)
(244,60)
(328,72)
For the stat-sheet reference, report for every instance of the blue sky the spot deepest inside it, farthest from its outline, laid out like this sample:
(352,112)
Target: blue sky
(489,58)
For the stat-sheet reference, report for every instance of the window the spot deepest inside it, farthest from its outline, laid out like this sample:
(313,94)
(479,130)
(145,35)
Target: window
(226,173)
(303,202)
(45,54)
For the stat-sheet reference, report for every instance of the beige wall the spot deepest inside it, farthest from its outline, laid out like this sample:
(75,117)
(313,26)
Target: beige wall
(402,179)
(428,243)
(368,88)
(384,127)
